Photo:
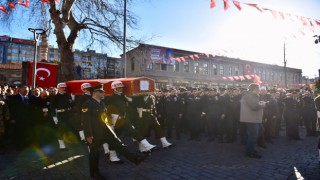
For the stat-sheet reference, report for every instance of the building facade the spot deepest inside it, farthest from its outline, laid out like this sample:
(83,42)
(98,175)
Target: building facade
(90,65)
(175,67)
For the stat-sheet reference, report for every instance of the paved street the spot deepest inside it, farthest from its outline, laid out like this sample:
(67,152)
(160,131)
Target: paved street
(188,160)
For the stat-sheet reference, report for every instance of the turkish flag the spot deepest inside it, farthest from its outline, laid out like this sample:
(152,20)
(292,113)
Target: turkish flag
(46,74)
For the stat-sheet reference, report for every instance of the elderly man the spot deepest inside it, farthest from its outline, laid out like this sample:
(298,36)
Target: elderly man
(251,114)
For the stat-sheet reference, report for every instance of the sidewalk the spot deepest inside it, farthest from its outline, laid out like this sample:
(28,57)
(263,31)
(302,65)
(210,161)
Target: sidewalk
(188,160)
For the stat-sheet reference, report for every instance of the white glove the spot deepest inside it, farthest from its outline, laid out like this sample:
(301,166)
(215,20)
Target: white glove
(111,127)
(73,97)
(139,112)
(318,114)
(55,119)
(114,118)
(81,134)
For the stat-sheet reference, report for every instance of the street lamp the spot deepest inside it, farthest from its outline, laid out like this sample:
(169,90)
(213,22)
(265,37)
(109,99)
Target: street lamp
(36,35)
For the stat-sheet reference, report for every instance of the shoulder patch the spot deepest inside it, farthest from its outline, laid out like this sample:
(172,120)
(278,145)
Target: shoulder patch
(84,110)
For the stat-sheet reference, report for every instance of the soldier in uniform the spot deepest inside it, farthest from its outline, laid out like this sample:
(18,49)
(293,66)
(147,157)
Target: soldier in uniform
(317,104)
(193,114)
(160,108)
(146,120)
(60,107)
(119,108)
(97,132)
(309,113)
(43,132)
(291,115)
(173,113)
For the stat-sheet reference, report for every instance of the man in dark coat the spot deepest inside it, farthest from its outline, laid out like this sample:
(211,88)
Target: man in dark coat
(20,115)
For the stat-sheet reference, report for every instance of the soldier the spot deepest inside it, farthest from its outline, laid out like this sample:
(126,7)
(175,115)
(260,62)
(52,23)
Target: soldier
(146,121)
(291,115)
(42,127)
(193,114)
(119,116)
(274,115)
(213,112)
(317,104)
(60,107)
(173,113)
(97,132)
(309,113)
(234,114)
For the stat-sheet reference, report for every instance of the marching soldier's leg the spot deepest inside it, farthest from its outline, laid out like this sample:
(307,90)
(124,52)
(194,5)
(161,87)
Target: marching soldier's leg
(116,143)
(144,145)
(94,158)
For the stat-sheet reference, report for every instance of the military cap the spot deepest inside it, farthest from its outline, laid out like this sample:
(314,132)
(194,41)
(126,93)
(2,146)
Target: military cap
(182,89)
(96,88)
(194,89)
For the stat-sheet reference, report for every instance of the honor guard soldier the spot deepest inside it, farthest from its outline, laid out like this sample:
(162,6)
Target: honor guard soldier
(309,113)
(291,115)
(61,106)
(119,116)
(146,121)
(317,104)
(173,108)
(97,132)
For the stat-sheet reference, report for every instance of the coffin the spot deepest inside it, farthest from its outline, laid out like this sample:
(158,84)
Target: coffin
(133,86)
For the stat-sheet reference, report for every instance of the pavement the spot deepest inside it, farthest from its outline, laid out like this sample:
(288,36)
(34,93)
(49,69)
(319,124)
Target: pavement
(283,159)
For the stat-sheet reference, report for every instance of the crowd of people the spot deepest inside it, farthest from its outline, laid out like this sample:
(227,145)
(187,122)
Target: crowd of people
(253,115)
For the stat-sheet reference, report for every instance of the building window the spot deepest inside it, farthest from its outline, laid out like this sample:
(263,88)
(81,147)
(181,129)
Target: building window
(149,66)
(236,71)
(163,67)
(272,76)
(176,67)
(196,68)
(221,70)
(263,75)
(230,71)
(205,68)
(214,69)
(186,67)
(132,64)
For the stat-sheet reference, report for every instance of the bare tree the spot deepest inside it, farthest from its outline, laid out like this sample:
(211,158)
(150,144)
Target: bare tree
(99,21)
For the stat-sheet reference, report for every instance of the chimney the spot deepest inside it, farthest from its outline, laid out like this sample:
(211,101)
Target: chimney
(43,47)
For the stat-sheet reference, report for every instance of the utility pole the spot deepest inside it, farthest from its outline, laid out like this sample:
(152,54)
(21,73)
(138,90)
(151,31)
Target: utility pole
(285,65)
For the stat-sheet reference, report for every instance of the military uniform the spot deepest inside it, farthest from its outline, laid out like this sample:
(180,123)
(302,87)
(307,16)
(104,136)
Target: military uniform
(291,116)
(173,114)
(93,116)
(309,114)
(61,109)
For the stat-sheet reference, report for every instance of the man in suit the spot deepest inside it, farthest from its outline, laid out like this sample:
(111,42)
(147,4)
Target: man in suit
(19,112)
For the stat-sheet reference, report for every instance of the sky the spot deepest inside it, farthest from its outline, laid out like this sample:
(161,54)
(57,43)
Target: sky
(247,34)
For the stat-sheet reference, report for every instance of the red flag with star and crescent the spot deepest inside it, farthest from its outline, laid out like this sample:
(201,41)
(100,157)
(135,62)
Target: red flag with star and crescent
(46,74)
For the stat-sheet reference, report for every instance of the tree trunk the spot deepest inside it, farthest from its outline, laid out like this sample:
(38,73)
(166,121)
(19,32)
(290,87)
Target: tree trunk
(67,64)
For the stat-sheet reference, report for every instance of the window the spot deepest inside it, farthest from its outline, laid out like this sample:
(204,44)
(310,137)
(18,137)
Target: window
(185,66)
(176,67)
(230,71)
(214,69)
(163,67)
(205,68)
(236,71)
(272,76)
(221,70)
(132,64)
(196,68)
(149,66)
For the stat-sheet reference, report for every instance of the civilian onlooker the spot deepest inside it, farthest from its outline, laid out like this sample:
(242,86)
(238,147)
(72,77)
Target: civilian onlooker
(251,113)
